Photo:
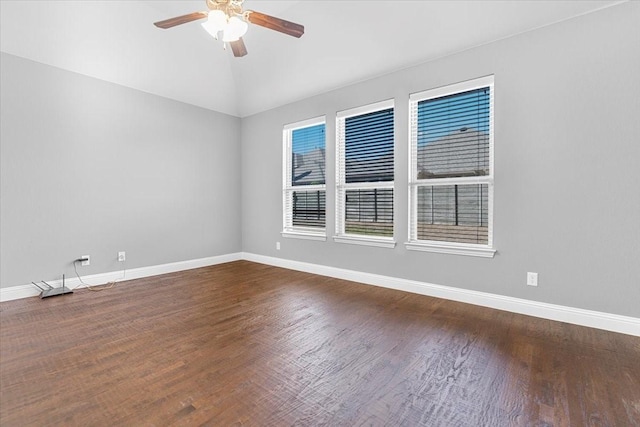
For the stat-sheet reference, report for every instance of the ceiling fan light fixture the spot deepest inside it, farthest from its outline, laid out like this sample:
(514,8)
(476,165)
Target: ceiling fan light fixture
(228,17)
(235,29)
(216,22)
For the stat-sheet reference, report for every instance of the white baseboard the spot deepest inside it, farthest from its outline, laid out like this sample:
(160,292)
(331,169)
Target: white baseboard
(577,316)
(24,291)
(594,319)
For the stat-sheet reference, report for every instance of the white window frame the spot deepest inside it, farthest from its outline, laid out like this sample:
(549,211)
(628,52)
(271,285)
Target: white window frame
(487,251)
(288,229)
(342,187)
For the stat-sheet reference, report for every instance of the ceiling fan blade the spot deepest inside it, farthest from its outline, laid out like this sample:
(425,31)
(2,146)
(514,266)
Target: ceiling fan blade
(277,24)
(238,48)
(178,20)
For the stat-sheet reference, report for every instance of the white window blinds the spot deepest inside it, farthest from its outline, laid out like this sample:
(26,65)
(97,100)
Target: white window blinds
(451,185)
(304,204)
(365,171)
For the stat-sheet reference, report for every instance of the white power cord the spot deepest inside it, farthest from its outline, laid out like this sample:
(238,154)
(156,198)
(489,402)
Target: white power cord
(104,287)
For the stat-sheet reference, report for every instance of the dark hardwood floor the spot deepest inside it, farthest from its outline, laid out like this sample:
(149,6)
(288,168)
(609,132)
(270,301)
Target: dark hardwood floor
(253,345)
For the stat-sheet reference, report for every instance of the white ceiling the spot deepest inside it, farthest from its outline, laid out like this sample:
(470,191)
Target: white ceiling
(344,42)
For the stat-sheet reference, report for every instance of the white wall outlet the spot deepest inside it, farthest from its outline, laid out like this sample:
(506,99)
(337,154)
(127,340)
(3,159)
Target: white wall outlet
(532,279)
(277,245)
(122,256)
(87,262)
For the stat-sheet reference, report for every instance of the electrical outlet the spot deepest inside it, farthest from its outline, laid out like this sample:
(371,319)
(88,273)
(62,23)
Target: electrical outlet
(87,262)
(122,256)
(532,279)
(278,245)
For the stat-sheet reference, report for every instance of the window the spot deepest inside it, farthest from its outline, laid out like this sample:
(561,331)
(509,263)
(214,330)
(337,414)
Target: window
(364,182)
(304,198)
(451,182)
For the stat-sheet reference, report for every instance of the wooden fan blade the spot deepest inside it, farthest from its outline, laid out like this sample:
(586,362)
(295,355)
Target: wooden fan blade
(277,24)
(238,48)
(178,20)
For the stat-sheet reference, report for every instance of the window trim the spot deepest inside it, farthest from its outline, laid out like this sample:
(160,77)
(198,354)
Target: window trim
(454,248)
(299,232)
(341,187)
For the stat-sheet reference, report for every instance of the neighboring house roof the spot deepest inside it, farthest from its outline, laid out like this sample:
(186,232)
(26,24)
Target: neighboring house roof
(309,168)
(464,152)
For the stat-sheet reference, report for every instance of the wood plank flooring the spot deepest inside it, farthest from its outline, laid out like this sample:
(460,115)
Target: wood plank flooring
(244,344)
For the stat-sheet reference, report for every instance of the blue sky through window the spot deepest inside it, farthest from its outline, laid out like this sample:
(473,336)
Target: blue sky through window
(308,139)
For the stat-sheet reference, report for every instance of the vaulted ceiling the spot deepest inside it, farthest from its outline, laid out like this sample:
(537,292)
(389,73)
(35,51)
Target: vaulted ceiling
(344,42)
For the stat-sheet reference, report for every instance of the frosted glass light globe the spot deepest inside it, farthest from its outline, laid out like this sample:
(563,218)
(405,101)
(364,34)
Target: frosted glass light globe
(216,22)
(236,29)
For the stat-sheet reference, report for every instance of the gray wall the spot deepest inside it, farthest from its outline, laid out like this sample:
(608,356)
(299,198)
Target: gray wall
(90,167)
(567,155)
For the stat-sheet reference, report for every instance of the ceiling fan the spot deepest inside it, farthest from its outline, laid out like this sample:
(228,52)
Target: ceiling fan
(226,18)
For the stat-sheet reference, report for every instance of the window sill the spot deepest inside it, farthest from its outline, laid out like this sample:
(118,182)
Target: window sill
(379,242)
(304,235)
(452,249)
